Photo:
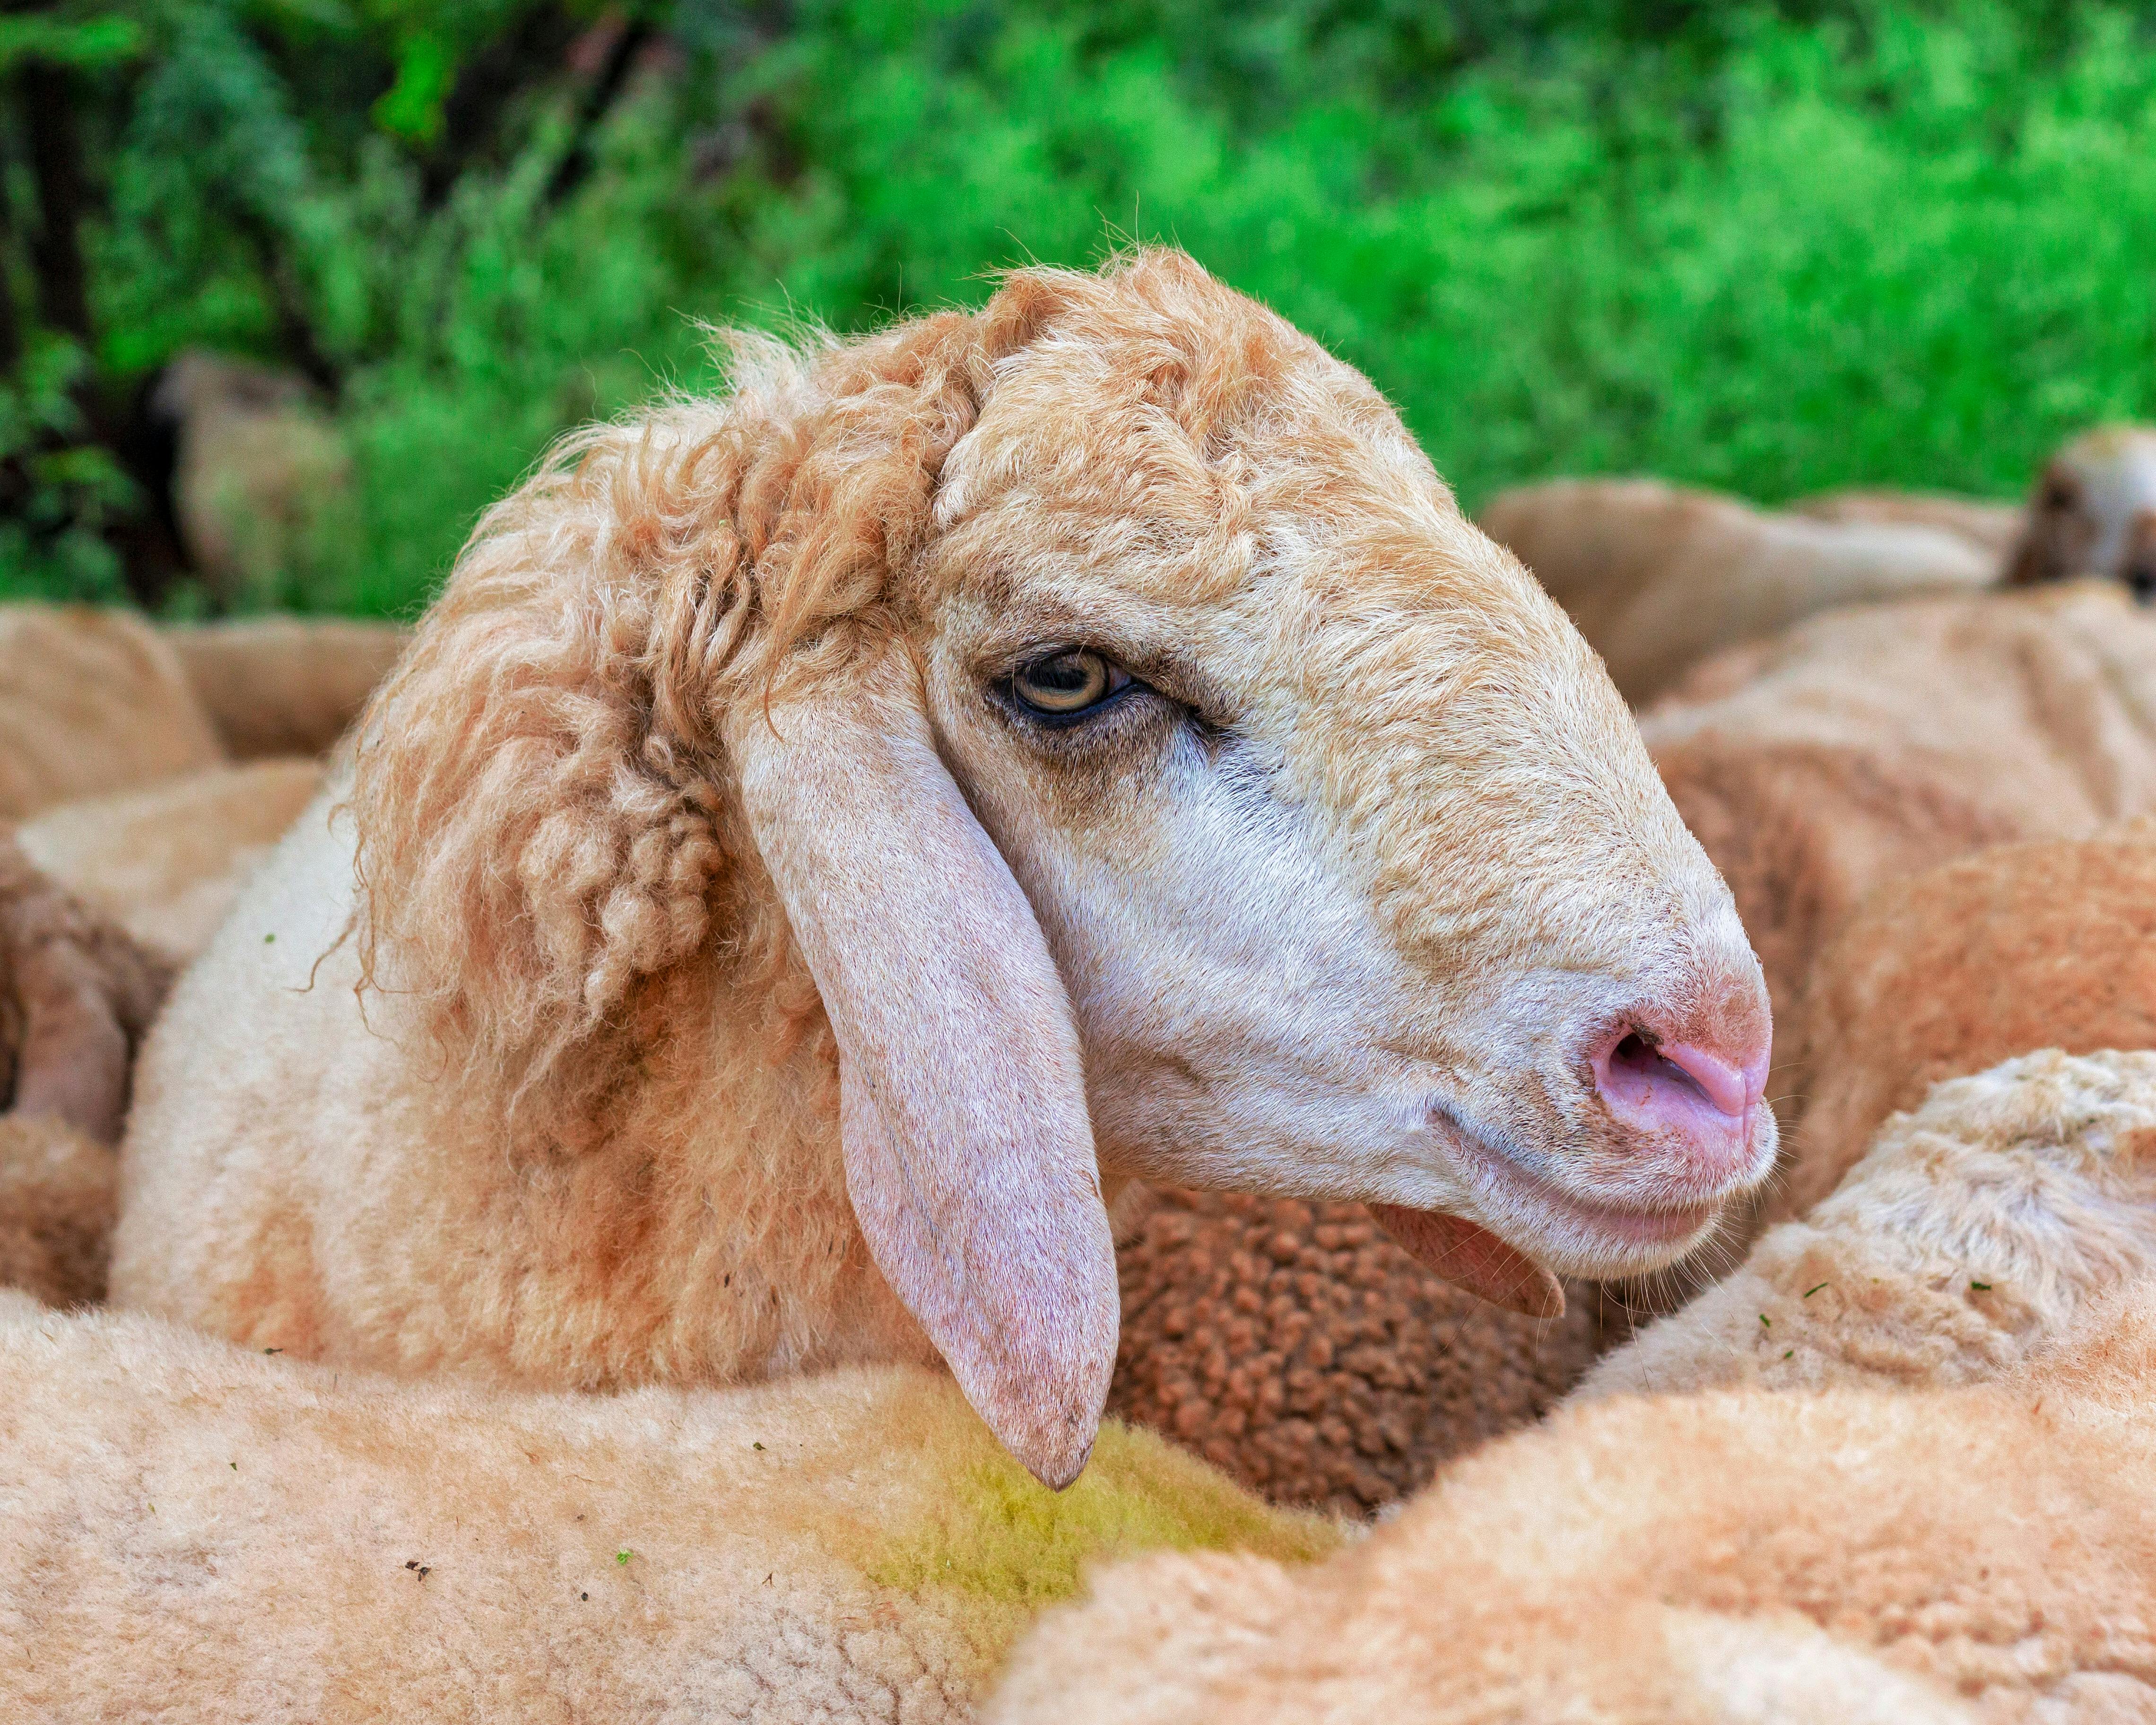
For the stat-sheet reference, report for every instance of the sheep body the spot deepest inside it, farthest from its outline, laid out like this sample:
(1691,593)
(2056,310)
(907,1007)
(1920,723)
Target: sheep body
(1947,971)
(258,1540)
(1298,1349)
(58,1190)
(1867,745)
(1992,528)
(166,861)
(1924,1265)
(285,685)
(1982,1552)
(92,702)
(1657,577)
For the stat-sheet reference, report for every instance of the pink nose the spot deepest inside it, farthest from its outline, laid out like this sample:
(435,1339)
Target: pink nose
(1701,1102)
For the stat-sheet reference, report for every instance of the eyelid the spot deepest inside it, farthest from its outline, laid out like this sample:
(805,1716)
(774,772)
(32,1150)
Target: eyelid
(1162,672)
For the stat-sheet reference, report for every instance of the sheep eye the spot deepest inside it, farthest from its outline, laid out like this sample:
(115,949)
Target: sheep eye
(1062,686)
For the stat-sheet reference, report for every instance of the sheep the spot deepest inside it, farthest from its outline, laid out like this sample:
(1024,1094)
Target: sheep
(254,461)
(1297,1348)
(192,1531)
(1950,971)
(1865,746)
(164,863)
(823,841)
(92,702)
(1995,529)
(285,685)
(1922,1540)
(2093,512)
(1658,577)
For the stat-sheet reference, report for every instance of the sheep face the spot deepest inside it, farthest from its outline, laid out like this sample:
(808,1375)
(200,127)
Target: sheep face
(1349,855)
(2093,512)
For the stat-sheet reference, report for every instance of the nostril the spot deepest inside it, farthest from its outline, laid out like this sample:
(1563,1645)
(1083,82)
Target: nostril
(1637,1071)
(1639,1060)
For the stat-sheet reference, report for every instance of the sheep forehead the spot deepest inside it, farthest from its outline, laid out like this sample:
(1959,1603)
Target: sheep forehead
(1302,507)
(2117,469)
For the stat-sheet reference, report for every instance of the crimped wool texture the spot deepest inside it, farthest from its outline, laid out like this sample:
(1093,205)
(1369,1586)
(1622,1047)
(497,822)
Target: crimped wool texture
(1658,577)
(1981,1553)
(1296,1347)
(166,862)
(1865,746)
(1975,1229)
(92,702)
(285,685)
(2016,947)
(192,1532)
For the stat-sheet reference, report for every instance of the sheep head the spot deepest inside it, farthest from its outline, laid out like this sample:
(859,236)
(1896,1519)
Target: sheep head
(2093,512)
(1157,774)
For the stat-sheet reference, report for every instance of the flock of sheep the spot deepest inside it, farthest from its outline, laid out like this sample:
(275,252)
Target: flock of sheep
(1033,867)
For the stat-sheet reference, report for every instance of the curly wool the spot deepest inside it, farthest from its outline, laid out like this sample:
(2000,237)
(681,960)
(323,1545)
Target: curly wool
(1297,1348)
(552,831)
(1886,1550)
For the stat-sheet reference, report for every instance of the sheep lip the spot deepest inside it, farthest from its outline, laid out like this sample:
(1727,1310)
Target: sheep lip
(1575,1235)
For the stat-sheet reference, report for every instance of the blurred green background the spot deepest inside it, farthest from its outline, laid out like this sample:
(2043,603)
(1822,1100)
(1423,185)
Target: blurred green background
(1766,247)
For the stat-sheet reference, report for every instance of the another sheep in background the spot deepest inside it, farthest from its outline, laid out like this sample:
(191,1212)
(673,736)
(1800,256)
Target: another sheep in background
(165,862)
(254,461)
(1250,763)
(285,685)
(1296,1346)
(192,1532)
(2093,512)
(92,702)
(1922,1553)
(1657,577)
(1868,745)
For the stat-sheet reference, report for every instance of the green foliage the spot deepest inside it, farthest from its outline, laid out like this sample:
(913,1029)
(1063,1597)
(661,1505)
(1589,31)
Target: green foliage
(59,493)
(1767,247)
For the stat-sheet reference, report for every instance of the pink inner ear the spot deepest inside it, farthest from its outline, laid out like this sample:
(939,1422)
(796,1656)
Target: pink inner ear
(968,1149)
(1470,1255)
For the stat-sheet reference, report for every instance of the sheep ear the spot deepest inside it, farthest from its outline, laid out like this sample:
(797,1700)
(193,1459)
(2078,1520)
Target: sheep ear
(969,1150)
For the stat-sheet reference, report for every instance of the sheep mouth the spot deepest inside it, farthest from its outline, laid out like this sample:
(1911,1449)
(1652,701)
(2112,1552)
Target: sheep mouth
(1573,1235)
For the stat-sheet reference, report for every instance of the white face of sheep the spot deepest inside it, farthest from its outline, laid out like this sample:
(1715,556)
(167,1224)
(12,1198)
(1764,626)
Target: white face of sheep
(2094,513)
(1254,820)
